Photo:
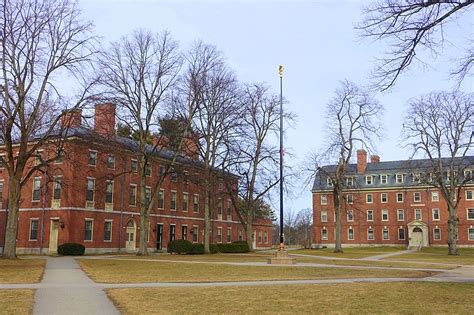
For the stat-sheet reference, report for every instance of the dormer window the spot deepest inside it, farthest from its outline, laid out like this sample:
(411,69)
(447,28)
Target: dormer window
(383,179)
(400,178)
(468,175)
(369,180)
(350,181)
(416,178)
(328,181)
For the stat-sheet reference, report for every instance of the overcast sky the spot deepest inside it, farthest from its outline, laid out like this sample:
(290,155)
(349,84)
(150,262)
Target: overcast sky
(316,43)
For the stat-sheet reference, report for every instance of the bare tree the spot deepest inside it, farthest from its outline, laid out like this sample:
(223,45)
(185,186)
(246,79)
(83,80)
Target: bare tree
(440,127)
(304,225)
(410,27)
(138,73)
(352,116)
(40,40)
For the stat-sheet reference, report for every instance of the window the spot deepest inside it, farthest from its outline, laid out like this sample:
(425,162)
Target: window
(109,192)
(350,215)
(437,234)
(229,235)
(111,161)
(195,234)
(350,181)
(229,210)
(383,179)
(172,232)
(134,166)
(470,234)
(370,234)
(468,175)
(385,215)
(384,197)
(132,198)
(185,201)
(36,188)
(92,158)
(448,175)
(470,214)
(417,196)
(370,215)
(173,200)
(161,199)
(196,203)
(434,196)
(1,194)
(148,169)
(90,192)
(147,197)
(369,198)
(88,225)
(162,171)
(219,206)
(350,198)
(328,181)
(219,235)
(469,195)
(260,236)
(417,214)
(59,156)
(435,213)
(400,178)
(324,200)
(369,180)
(107,231)
(240,237)
(416,178)
(2,161)
(174,176)
(265,237)
(39,157)
(184,232)
(400,215)
(33,230)
(385,235)
(350,234)
(399,197)
(185,177)
(324,216)
(401,234)
(57,182)
(324,234)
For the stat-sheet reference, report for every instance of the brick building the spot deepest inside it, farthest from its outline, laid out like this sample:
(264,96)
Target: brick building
(89,195)
(391,203)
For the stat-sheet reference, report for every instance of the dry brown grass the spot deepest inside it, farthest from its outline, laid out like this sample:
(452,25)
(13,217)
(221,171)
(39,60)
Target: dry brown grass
(16,301)
(439,255)
(357,298)
(133,271)
(250,257)
(373,263)
(21,270)
(350,252)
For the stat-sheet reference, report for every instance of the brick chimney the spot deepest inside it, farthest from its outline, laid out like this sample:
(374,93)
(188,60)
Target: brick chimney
(375,159)
(104,119)
(71,118)
(361,161)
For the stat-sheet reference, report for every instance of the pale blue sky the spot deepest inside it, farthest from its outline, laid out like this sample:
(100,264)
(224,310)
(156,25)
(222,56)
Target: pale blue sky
(314,40)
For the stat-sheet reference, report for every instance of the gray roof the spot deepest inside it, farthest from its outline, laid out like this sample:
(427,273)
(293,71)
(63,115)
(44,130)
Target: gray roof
(390,168)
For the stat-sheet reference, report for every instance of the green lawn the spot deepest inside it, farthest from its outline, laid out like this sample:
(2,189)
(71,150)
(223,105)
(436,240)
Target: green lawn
(439,255)
(21,270)
(356,298)
(350,252)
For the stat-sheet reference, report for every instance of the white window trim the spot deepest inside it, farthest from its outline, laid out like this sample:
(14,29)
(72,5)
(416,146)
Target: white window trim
(107,162)
(472,194)
(54,182)
(367,216)
(435,193)
(195,231)
(403,197)
(468,235)
(131,163)
(325,200)
(92,229)
(219,229)
(350,229)
(381,197)
(350,211)
(421,214)
(158,200)
(434,238)
(433,216)
(398,234)
(467,214)
(386,179)
(367,198)
(187,202)
(37,230)
(373,234)
(136,191)
(371,179)
(93,191)
(33,189)
(396,178)
(324,236)
(388,234)
(111,229)
(351,199)
(403,213)
(386,212)
(110,204)
(414,196)
(194,196)
(96,157)
(326,215)
(176,200)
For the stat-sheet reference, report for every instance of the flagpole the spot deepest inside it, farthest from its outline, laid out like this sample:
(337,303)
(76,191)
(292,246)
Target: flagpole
(282,236)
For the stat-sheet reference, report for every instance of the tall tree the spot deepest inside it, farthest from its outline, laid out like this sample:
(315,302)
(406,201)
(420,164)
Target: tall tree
(440,127)
(40,40)
(138,73)
(352,116)
(410,27)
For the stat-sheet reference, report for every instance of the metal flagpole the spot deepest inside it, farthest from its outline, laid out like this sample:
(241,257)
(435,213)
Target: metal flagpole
(282,237)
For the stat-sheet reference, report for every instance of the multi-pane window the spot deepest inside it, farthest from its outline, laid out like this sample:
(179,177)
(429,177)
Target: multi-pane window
(469,195)
(350,198)
(184,232)
(219,235)
(350,215)
(383,179)
(416,178)
(36,188)
(324,234)
(2,161)
(385,234)
(400,215)
(240,235)
(434,196)
(399,197)
(324,216)
(174,176)
(185,177)
(370,215)
(111,161)
(1,194)
(470,213)
(324,200)
(88,225)
(400,178)
(161,199)
(162,170)
(172,232)
(173,200)
(468,175)
(185,201)
(384,215)
(196,203)
(436,215)
(59,156)
(384,197)
(57,183)
(470,234)
(350,234)
(417,196)
(369,180)
(417,214)
(134,166)
(370,234)
(260,236)
(350,181)
(39,157)
(90,191)
(328,181)
(265,237)
(132,197)
(107,231)
(92,161)
(437,234)
(401,234)
(229,210)
(369,198)
(33,229)
(229,235)
(147,197)
(195,233)
(148,169)
(109,192)
(219,206)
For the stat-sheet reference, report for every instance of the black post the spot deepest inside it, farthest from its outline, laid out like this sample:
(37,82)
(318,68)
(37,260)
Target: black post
(282,237)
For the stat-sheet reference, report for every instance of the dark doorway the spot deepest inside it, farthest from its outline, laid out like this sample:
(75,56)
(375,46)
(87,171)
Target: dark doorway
(159,236)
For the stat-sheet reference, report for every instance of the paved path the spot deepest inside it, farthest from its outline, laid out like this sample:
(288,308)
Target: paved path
(66,289)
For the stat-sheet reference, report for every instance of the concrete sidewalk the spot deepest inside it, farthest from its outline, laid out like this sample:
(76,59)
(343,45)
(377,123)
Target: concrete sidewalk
(65,289)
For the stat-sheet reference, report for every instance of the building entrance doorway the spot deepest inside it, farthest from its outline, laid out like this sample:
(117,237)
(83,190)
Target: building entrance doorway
(417,234)
(53,236)
(130,236)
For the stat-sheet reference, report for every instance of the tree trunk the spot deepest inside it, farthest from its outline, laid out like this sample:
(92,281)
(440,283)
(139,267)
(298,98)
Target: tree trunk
(207,217)
(144,217)
(337,213)
(452,231)
(14,194)
(249,232)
